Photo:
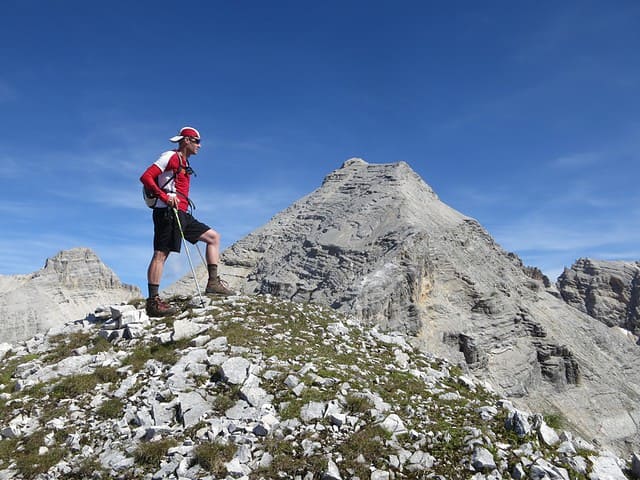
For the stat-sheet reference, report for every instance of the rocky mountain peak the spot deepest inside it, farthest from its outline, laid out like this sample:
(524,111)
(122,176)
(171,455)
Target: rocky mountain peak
(69,286)
(374,241)
(78,267)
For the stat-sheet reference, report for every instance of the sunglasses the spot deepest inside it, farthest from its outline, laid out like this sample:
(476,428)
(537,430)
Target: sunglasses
(194,140)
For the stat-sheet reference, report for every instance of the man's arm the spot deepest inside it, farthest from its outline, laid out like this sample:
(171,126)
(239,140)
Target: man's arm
(148,179)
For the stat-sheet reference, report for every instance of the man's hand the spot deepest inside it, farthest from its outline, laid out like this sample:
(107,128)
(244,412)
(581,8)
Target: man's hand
(173,201)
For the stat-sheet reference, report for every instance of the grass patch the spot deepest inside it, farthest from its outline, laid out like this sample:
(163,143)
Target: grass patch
(87,469)
(64,345)
(8,447)
(107,374)
(29,461)
(289,462)
(226,398)
(149,454)
(37,391)
(368,442)
(100,344)
(556,421)
(357,404)
(235,332)
(8,370)
(162,352)
(399,387)
(309,394)
(212,456)
(74,386)
(111,408)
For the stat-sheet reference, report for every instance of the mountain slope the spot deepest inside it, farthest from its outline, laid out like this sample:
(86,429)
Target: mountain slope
(259,388)
(376,242)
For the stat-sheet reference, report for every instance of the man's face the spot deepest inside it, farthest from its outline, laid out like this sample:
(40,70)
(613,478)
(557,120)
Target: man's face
(193,145)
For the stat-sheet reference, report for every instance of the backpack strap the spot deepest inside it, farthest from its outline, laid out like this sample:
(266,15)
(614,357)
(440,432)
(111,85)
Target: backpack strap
(175,174)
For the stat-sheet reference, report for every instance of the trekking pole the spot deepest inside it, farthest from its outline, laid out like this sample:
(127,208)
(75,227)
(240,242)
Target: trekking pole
(186,249)
(204,262)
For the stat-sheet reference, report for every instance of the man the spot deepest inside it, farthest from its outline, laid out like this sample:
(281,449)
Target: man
(169,179)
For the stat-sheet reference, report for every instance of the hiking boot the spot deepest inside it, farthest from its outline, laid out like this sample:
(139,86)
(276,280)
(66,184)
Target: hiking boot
(218,286)
(158,308)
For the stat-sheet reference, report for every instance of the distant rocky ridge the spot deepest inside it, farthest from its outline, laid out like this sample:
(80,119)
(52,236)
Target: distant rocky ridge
(608,291)
(374,241)
(261,388)
(69,287)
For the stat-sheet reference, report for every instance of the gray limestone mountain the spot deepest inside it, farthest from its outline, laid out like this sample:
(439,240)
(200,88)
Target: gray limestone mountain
(69,287)
(375,241)
(608,291)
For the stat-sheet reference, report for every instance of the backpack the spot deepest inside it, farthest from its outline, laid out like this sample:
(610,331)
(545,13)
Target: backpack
(149,197)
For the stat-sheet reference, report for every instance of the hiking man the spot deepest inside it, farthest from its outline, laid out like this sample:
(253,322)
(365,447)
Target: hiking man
(168,178)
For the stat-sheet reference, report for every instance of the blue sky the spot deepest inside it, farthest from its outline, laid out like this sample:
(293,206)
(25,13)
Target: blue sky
(523,115)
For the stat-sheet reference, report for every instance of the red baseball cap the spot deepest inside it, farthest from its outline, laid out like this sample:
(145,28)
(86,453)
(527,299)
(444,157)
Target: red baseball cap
(185,132)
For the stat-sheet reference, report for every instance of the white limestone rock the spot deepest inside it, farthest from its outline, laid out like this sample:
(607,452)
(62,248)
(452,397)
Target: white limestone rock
(187,329)
(605,467)
(235,370)
(394,425)
(312,411)
(482,459)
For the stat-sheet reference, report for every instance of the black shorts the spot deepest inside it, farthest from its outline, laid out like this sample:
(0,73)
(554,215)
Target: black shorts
(166,234)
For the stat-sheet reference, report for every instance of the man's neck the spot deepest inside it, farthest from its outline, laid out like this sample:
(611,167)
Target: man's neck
(184,153)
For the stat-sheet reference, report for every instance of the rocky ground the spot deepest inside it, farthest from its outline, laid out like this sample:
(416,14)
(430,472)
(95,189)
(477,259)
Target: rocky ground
(261,388)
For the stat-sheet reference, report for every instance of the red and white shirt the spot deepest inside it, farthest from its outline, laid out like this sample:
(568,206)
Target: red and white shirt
(163,169)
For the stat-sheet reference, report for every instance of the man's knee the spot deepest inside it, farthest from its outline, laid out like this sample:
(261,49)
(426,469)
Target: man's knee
(210,236)
(159,256)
